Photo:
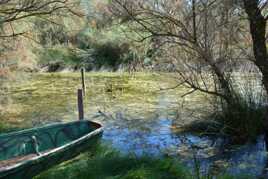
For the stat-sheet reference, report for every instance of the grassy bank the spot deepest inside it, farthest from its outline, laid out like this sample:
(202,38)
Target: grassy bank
(105,163)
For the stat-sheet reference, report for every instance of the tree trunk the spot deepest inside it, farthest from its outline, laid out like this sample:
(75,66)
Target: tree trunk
(257,24)
(194,21)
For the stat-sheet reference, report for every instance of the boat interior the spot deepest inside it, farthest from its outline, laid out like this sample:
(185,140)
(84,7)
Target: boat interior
(20,146)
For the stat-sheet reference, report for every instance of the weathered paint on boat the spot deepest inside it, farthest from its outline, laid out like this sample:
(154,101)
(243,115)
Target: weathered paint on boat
(26,153)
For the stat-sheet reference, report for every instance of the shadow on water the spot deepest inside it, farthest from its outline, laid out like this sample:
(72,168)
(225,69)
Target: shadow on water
(143,120)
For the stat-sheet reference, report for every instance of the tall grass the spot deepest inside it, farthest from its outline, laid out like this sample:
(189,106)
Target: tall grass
(243,120)
(240,121)
(106,163)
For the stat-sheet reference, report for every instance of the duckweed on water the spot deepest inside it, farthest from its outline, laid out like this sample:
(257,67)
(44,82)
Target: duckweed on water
(46,98)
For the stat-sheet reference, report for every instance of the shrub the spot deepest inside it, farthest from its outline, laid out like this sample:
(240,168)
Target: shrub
(58,58)
(242,120)
(108,48)
(111,56)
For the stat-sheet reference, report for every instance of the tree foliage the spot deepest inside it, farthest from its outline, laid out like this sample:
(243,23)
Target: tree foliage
(15,10)
(197,37)
(207,41)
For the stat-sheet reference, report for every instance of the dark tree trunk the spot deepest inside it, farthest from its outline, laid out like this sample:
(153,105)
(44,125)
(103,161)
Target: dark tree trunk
(258,29)
(194,21)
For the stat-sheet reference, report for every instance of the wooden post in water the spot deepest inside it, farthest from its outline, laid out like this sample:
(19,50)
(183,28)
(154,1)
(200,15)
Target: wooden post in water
(80,104)
(83,80)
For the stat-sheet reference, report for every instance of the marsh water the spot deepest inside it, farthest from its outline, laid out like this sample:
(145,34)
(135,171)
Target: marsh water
(142,113)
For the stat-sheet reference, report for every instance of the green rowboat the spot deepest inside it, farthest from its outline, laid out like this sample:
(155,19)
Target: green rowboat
(26,153)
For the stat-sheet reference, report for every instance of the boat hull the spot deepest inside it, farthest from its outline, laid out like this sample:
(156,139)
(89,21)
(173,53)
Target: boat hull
(48,158)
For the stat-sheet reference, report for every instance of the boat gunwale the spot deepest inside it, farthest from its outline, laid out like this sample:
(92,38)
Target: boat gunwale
(46,126)
(55,150)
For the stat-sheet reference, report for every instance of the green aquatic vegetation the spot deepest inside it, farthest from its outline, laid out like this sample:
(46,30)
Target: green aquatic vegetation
(52,97)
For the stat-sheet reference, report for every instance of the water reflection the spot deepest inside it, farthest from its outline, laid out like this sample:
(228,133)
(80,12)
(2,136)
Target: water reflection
(158,139)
